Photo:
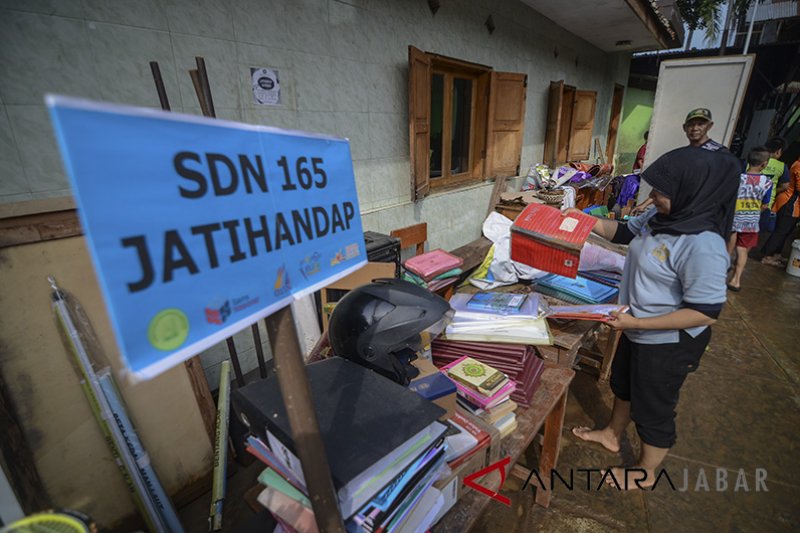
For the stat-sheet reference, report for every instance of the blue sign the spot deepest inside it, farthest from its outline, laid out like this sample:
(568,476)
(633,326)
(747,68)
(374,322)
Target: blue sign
(199,227)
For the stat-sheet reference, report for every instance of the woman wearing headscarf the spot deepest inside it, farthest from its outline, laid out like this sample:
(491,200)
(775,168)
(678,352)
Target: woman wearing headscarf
(674,285)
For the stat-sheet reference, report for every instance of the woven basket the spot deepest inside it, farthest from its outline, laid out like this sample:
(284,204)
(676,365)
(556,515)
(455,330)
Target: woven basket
(554,197)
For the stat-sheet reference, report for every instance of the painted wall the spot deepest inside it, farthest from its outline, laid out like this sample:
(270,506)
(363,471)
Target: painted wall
(637,111)
(343,70)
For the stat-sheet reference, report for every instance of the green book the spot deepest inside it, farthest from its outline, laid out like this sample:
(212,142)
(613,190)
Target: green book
(271,478)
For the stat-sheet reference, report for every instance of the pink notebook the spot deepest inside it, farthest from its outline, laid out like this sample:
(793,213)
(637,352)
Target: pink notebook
(431,264)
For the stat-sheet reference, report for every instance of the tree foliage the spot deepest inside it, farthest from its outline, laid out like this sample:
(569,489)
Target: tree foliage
(708,15)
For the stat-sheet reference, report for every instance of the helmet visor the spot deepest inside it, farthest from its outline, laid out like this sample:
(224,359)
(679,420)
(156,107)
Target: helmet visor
(434,330)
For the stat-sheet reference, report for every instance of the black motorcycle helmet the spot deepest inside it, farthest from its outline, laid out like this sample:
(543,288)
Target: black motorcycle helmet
(384,325)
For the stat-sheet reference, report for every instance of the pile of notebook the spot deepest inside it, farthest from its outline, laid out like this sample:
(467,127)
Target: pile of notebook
(517,361)
(612,279)
(577,291)
(384,444)
(433,270)
(482,388)
(498,317)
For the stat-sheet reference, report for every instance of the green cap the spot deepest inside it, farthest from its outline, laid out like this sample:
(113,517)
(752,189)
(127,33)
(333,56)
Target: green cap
(700,112)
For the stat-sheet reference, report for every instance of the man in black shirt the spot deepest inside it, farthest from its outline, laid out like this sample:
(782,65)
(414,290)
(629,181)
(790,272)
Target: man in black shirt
(698,123)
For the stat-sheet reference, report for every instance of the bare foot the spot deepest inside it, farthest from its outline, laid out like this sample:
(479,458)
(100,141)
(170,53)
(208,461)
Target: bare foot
(604,436)
(631,478)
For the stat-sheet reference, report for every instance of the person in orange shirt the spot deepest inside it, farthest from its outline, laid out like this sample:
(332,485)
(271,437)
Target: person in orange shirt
(787,207)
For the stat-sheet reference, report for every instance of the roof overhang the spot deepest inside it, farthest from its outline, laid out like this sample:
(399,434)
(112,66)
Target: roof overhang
(612,26)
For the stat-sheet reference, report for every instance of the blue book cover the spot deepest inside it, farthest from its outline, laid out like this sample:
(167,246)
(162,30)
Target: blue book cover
(433,386)
(581,288)
(497,302)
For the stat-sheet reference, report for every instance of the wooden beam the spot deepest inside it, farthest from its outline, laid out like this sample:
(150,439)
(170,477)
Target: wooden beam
(202,393)
(37,227)
(296,393)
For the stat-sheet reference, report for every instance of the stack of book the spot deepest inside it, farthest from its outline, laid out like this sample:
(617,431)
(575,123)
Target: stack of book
(577,291)
(498,317)
(606,277)
(482,389)
(433,270)
(384,444)
(518,361)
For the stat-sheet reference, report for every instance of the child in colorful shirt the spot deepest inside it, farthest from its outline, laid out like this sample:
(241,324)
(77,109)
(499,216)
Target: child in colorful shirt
(755,192)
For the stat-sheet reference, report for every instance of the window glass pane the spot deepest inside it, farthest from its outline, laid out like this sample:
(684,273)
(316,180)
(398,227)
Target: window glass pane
(437,114)
(462,114)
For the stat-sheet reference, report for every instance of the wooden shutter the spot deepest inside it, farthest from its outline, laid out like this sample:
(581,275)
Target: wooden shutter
(554,105)
(613,122)
(505,124)
(419,120)
(580,138)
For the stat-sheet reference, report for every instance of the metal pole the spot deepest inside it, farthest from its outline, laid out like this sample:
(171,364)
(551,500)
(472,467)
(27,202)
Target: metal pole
(750,29)
(723,46)
(220,449)
(296,394)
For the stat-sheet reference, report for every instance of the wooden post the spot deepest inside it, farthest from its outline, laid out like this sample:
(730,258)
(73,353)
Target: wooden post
(553,426)
(296,393)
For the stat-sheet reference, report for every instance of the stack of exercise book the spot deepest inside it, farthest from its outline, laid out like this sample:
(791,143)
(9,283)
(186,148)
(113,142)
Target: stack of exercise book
(498,317)
(483,388)
(519,362)
(433,270)
(577,291)
(384,444)
(606,277)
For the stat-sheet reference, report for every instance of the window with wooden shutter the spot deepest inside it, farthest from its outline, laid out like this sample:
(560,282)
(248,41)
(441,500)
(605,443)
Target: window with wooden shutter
(452,130)
(419,120)
(553,128)
(580,141)
(505,124)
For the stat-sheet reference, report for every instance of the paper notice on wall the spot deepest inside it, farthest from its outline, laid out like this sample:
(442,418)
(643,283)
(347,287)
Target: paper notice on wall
(266,86)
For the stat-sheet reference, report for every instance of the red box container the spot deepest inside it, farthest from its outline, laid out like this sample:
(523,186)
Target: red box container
(543,238)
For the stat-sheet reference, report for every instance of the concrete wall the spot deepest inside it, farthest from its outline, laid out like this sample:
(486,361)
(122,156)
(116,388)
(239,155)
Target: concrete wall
(343,70)
(636,114)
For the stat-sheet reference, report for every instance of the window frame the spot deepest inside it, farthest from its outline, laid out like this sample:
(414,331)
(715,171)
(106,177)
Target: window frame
(447,179)
(495,138)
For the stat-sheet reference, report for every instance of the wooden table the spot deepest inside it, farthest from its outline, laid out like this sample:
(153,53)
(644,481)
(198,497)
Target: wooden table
(547,408)
(589,344)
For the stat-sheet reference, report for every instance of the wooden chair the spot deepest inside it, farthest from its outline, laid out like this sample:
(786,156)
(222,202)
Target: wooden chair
(358,278)
(412,236)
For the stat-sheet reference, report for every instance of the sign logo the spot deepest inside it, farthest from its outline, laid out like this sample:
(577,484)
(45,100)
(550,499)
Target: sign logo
(310,265)
(470,482)
(282,282)
(218,314)
(168,329)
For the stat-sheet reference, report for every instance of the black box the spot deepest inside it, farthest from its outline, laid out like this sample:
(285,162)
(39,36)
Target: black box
(383,249)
